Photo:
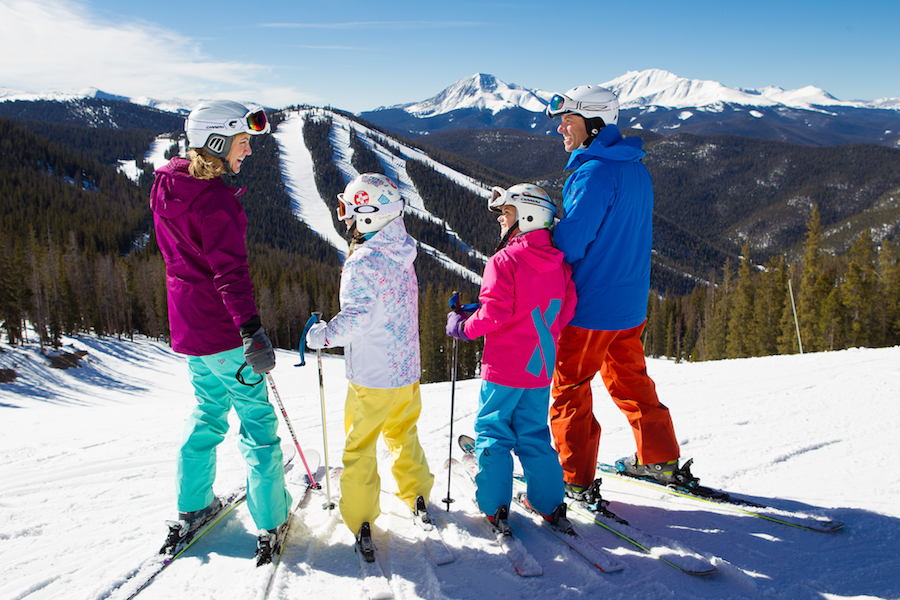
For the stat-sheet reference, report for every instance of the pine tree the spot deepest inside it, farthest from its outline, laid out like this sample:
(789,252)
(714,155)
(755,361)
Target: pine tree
(771,291)
(717,331)
(858,292)
(740,320)
(811,296)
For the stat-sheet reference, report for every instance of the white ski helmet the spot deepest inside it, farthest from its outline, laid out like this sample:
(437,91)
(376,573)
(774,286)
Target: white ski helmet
(589,101)
(534,209)
(373,200)
(212,125)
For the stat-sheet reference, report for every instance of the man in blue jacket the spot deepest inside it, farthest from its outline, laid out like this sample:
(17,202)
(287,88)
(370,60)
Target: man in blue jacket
(606,236)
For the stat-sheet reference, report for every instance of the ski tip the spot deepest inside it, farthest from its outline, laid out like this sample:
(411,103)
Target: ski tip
(467,443)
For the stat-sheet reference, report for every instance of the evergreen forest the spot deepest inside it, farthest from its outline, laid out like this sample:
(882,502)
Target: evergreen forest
(77,250)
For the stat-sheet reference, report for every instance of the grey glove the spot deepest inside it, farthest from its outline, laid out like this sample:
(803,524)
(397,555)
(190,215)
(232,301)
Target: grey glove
(258,352)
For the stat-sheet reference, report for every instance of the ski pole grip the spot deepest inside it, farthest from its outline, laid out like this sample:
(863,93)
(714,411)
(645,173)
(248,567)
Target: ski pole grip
(309,323)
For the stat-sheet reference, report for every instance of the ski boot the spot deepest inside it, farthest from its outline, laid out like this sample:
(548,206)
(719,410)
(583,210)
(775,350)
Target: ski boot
(557,519)
(421,515)
(500,521)
(364,544)
(666,473)
(183,530)
(269,543)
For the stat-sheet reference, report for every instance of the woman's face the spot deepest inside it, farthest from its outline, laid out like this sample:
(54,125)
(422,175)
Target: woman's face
(507,218)
(240,149)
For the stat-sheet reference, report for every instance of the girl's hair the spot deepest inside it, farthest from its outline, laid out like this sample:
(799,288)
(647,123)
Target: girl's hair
(204,166)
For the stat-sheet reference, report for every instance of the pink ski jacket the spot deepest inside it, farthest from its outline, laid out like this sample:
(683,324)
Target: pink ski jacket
(527,296)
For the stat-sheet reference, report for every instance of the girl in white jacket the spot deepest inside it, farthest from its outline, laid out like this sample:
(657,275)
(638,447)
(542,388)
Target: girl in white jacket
(378,326)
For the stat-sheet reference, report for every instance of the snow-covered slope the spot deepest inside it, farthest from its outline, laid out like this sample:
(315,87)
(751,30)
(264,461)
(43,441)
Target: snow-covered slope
(309,207)
(87,470)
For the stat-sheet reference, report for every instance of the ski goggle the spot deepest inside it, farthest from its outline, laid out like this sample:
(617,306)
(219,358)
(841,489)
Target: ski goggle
(254,123)
(501,197)
(348,211)
(257,121)
(561,104)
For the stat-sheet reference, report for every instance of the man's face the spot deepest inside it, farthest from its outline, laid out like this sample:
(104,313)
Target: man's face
(573,130)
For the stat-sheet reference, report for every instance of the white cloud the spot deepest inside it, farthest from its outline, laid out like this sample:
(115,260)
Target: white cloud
(59,44)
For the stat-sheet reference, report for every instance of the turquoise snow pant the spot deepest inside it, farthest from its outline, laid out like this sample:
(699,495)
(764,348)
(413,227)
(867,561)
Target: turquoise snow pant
(217,390)
(514,419)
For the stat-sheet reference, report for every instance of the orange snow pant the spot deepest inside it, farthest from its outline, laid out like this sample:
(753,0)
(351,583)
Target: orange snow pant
(391,413)
(619,357)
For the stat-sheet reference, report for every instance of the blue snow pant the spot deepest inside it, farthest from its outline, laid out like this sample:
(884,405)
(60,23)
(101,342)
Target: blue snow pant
(217,390)
(514,419)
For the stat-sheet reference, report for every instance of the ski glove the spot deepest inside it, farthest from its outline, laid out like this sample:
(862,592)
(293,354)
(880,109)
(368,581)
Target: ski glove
(258,352)
(315,337)
(455,322)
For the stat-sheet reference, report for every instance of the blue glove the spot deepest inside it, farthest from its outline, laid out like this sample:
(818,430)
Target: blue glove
(258,352)
(455,322)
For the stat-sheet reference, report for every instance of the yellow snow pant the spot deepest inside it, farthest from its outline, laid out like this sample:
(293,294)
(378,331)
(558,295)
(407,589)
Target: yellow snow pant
(393,413)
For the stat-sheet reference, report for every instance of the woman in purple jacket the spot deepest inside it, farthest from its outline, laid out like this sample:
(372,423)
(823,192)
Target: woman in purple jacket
(527,296)
(201,229)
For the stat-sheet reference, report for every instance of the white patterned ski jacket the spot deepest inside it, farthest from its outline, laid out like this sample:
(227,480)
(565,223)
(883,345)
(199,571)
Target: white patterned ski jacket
(378,325)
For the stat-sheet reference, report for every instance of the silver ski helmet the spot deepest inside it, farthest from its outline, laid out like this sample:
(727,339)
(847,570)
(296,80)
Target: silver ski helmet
(211,125)
(373,200)
(534,209)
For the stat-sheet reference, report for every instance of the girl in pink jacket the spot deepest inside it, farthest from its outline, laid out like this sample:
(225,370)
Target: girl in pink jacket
(527,296)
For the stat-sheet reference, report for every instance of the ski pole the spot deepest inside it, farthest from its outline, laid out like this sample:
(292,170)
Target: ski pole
(454,305)
(329,505)
(291,429)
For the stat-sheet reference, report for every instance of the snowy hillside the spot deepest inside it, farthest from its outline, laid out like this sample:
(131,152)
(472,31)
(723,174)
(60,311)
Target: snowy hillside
(87,470)
(309,207)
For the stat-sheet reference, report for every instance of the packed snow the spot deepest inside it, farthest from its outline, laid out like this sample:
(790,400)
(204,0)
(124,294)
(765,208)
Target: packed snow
(87,461)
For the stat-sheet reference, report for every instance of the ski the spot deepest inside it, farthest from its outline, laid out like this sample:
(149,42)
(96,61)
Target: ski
(430,536)
(523,562)
(731,502)
(668,551)
(375,581)
(600,558)
(269,565)
(145,574)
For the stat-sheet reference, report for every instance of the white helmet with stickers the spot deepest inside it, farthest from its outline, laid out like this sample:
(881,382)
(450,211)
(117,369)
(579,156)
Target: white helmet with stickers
(534,209)
(589,101)
(373,200)
(212,125)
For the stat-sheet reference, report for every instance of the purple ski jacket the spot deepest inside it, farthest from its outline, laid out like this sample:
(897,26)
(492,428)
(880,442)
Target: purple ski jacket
(527,297)
(201,229)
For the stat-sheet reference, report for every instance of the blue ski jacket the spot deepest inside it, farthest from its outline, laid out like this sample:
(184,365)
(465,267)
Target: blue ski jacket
(606,232)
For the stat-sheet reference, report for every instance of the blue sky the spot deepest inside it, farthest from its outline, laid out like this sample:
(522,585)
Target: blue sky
(359,55)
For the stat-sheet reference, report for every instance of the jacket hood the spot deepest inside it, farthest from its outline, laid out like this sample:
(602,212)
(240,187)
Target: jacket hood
(394,242)
(609,145)
(543,257)
(174,189)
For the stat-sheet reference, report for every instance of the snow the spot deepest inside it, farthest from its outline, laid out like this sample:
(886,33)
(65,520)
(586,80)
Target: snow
(308,205)
(87,461)
(478,91)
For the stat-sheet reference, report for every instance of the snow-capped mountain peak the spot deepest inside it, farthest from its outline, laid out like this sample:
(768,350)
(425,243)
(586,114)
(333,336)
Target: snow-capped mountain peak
(479,91)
